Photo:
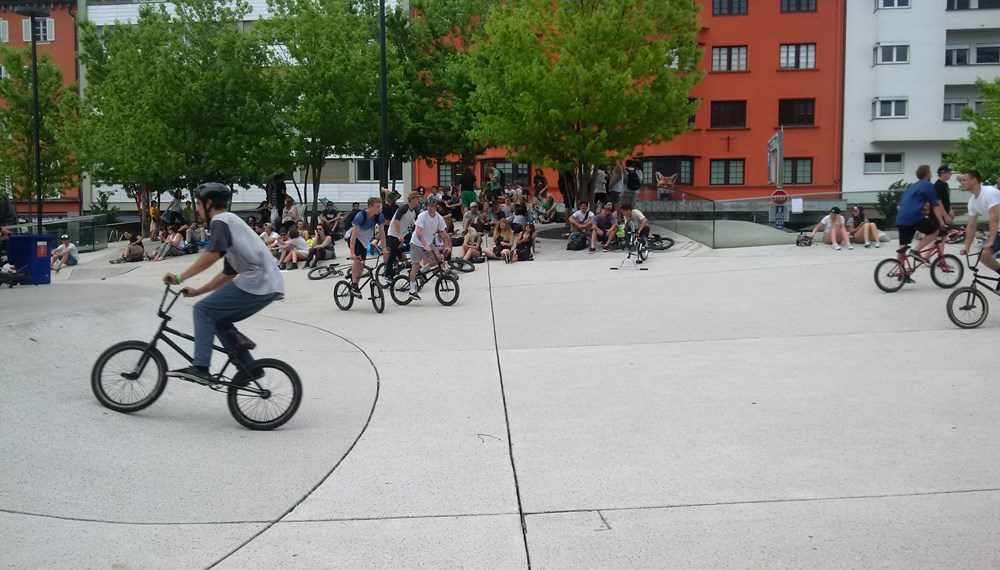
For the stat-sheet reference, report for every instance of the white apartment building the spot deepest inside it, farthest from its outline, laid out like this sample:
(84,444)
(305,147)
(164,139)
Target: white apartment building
(910,69)
(343,179)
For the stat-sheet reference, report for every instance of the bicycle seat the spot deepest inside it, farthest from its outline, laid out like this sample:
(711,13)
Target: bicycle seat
(235,338)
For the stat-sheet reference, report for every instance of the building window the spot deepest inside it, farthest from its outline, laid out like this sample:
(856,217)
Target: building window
(513,173)
(4,35)
(797,56)
(335,170)
(798,5)
(682,166)
(956,55)
(987,54)
(980,107)
(893,4)
(892,54)
(726,172)
(953,109)
(958,4)
(889,109)
(732,58)
(797,171)
(728,7)
(989,4)
(797,112)
(45,30)
(449,173)
(973,4)
(368,170)
(879,163)
(729,114)
(3,73)
(686,173)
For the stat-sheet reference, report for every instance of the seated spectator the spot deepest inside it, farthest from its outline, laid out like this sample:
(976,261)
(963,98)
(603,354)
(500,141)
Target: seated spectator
(279,242)
(268,235)
(331,218)
(472,245)
(290,213)
(634,220)
(503,240)
(834,231)
(862,230)
(132,251)
(292,251)
(173,245)
(474,219)
(322,248)
(519,218)
(548,212)
(494,215)
(582,220)
(196,234)
(303,231)
(605,226)
(523,246)
(65,254)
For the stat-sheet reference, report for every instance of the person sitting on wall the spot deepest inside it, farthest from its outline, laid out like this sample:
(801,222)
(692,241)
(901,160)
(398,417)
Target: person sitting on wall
(65,254)
(132,252)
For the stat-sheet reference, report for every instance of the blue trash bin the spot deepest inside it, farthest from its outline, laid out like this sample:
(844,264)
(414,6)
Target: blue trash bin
(33,251)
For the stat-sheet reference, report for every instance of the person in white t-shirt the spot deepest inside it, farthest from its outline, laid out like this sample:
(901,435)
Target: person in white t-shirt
(582,220)
(834,230)
(429,231)
(985,202)
(399,228)
(293,250)
(65,254)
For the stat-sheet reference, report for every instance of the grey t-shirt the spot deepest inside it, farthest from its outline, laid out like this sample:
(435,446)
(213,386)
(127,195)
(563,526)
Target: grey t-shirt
(245,255)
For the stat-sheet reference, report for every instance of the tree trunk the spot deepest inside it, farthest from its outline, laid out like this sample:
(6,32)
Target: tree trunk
(583,176)
(315,201)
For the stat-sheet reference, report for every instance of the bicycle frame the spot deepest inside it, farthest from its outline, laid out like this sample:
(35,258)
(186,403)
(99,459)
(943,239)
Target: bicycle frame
(910,262)
(978,279)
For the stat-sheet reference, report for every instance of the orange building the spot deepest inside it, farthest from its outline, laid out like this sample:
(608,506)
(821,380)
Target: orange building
(767,64)
(57,36)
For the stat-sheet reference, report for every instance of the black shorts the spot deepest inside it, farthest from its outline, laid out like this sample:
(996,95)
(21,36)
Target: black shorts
(361,250)
(924,226)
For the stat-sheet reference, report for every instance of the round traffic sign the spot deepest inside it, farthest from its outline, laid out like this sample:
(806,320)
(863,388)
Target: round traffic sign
(779,197)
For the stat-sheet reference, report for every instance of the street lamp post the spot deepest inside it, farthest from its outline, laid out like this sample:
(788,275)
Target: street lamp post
(33,12)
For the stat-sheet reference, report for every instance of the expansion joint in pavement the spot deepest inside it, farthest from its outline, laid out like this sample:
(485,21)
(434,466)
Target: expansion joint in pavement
(506,418)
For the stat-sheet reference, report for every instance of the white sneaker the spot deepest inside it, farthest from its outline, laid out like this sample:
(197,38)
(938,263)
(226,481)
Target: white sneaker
(877,244)
(850,246)
(836,246)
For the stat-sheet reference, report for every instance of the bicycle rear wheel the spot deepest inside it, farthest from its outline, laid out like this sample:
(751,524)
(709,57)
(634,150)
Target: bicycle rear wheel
(968,308)
(660,243)
(947,271)
(377,296)
(890,275)
(342,295)
(270,399)
(399,290)
(319,272)
(461,265)
(446,290)
(121,381)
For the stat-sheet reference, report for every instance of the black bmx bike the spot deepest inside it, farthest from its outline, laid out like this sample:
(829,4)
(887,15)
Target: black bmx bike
(132,374)
(968,307)
(445,283)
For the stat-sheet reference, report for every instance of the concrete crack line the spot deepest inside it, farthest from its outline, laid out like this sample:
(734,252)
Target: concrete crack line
(760,502)
(506,417)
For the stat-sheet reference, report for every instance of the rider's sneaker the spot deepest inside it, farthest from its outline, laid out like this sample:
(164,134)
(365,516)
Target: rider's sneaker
(916,254)
(414,295)
(355,290)
(908,279)
(384,282)
(192,373)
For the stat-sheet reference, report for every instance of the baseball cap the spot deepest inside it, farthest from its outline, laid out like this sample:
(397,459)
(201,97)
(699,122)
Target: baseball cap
(943,168)
(64,236)
(835,210)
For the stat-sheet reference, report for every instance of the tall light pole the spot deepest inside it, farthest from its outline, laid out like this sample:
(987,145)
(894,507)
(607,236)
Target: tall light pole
(383,159)
(33,12)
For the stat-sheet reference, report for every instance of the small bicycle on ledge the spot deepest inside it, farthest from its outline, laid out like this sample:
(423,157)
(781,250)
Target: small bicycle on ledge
(132,374)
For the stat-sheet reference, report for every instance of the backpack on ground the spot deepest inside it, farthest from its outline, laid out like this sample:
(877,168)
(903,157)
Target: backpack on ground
(803,240)
(577,242)
(632,180)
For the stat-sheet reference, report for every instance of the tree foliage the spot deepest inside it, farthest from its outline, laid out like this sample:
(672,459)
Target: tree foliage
(58,109)
(980,149)
(574,82)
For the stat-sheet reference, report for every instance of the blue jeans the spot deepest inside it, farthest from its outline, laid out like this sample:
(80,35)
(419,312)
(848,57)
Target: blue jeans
(226,305)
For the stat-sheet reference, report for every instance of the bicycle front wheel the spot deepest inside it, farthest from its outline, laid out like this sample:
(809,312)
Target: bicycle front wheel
(890,275)
(342,295)
(127,377)
(399,290)
(319,272)
(661,243)
(266,396)
(461,265)
(378,297)
(446,290)
(947,271)
(641,250)
(968,308)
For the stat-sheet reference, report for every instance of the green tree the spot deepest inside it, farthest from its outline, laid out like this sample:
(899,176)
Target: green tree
(575,82)
(980,149)
(58,109)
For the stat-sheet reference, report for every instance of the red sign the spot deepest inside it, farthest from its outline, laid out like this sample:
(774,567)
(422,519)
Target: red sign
(779,197)
(41,249)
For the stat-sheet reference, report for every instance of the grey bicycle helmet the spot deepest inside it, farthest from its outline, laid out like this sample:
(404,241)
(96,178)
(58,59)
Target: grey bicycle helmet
(219,194)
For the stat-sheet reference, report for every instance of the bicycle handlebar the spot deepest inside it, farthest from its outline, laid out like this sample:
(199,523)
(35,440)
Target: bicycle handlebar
(168,290)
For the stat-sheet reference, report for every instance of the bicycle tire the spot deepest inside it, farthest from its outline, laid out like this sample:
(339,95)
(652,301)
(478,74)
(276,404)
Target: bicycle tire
(399,290)
(963,302)
(890,276)
(342,295)
(461,265)
(641,250)
(377,297)
(319,272)
(946,279)
(446,290)
(661,243)
(284,394)
(114,399)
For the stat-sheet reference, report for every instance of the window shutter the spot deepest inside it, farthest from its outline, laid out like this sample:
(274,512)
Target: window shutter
(50,30)
(26,30)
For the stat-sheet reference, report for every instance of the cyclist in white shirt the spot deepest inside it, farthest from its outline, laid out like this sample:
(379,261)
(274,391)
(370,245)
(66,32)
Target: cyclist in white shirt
(985,202)
(429,227)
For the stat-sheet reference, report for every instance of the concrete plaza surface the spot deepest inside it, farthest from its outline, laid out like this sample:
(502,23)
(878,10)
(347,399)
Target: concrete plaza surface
(739,408)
